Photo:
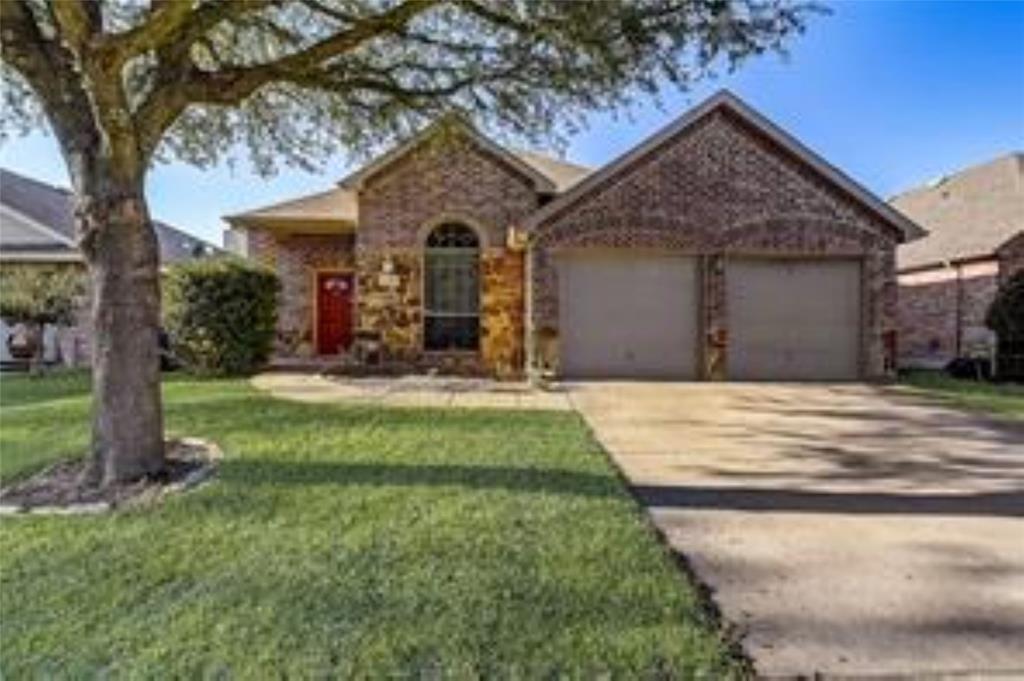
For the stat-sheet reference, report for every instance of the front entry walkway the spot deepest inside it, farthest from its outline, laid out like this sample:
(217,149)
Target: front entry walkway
(411,391)
(843,529)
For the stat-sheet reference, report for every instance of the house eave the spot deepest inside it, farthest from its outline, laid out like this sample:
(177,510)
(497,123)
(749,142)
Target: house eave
(294,225)
(947,263)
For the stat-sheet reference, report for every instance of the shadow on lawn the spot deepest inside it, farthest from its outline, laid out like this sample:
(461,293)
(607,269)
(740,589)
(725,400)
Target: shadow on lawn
(535,480)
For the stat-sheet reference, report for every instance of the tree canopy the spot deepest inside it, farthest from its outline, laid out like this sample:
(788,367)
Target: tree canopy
(299,80)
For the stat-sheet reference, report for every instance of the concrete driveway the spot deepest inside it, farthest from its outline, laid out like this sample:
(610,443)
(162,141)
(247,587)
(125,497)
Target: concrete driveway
(843,529)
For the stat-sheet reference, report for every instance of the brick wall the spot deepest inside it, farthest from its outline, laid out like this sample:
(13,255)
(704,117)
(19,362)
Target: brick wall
(942,313)
(717,189)
(445,179)
(296,258)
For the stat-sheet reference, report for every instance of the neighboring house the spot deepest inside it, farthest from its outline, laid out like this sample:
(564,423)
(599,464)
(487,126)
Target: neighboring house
(975,220)
(720,248)
(37,230)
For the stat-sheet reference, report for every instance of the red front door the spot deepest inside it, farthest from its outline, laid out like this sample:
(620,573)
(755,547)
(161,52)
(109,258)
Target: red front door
(333,313)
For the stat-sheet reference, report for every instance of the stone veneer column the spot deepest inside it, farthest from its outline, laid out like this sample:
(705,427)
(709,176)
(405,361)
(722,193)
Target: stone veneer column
(879,310)
(501,312)
(390,302)
(715,325)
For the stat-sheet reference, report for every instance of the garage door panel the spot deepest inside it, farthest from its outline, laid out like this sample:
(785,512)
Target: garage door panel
(793,319)
(628,316)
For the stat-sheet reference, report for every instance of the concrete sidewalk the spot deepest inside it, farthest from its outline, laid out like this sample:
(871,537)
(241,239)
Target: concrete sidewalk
(843,529)
(411,391)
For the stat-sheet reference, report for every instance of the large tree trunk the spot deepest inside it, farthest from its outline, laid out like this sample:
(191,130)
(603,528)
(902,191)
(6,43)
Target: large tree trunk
(122,253)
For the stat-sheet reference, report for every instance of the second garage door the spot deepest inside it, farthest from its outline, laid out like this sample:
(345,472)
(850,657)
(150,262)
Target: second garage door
(793,319)
(628,316)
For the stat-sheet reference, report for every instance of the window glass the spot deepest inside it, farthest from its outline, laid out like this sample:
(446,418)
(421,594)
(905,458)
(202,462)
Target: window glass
(451,317)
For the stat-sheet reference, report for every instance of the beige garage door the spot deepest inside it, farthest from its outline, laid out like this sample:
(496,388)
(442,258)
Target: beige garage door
(628,316)
(793,319)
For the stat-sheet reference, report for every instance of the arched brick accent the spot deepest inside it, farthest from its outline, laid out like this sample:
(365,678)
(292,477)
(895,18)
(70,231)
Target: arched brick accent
(482,233)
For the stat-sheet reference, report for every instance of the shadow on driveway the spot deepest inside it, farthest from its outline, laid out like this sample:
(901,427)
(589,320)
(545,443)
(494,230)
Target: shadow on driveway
(757,499)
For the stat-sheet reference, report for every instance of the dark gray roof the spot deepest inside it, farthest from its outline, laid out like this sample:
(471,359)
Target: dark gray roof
(53,207)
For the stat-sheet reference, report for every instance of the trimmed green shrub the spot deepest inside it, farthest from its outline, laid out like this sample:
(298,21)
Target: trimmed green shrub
(1006,314)
(220,314)
(1006,317)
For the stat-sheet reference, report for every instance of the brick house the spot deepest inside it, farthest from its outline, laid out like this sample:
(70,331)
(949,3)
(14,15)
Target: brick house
(975,220)
(719,248)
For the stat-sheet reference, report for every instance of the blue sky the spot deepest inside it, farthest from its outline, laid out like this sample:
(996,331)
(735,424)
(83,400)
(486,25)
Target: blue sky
(894,93)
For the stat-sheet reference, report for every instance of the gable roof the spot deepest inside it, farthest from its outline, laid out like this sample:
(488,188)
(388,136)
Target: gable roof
(968,214)
(542,183)
(728,101)
(338,206)
(39,224)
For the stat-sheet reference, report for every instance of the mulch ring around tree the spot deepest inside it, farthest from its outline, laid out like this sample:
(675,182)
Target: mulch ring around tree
(58,490)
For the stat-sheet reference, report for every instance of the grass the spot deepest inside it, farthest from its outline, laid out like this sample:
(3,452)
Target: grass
(999,399)
(346,541)
(42,419)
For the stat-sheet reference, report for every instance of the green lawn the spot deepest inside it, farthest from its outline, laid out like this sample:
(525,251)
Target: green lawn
(343,541)
(1005,400)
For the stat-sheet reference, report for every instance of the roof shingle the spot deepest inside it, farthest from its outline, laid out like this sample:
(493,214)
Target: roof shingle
(968,214)
(53,207)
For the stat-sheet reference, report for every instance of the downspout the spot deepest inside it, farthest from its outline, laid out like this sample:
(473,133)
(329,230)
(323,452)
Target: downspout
(959,308)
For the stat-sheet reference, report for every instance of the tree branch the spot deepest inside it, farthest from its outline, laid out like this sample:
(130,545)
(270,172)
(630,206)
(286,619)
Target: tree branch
(233,84)
(73,23)
(174,22)
(48,69)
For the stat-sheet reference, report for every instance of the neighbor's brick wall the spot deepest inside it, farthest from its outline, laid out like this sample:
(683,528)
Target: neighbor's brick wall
(447,179)
(927,322)
(722,189)
(941,305)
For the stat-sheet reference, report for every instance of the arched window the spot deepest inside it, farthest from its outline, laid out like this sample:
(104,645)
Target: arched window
(451,314)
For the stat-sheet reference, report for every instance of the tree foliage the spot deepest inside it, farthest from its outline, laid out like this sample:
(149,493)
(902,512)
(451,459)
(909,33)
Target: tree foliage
(221,315)
(299,80)
(40,295)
